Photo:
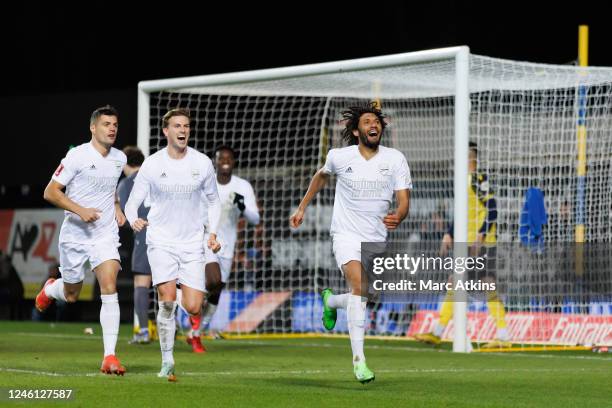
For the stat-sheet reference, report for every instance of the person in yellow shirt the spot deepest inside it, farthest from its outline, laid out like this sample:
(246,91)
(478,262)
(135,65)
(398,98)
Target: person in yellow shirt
(482,241)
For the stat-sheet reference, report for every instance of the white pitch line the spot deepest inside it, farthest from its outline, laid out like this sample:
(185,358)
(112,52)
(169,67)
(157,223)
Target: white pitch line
(44,373)
(313,372)
(60,336)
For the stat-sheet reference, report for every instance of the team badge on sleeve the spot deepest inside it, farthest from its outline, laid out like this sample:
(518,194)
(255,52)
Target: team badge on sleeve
(59,169)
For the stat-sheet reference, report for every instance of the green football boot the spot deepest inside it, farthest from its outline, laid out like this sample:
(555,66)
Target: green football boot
(363,374)
(329,314)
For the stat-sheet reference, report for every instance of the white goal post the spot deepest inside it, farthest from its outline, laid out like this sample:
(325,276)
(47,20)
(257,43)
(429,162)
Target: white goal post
(520,114)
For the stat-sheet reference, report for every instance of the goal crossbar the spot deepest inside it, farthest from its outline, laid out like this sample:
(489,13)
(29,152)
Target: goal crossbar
(460,55)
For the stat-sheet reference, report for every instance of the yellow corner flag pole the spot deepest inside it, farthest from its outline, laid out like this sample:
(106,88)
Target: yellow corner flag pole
(581,140)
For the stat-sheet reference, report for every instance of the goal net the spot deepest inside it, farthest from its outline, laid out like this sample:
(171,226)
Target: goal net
(535,125)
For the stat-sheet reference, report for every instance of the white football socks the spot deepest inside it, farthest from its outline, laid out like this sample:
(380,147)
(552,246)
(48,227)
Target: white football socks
(109,320)
(207,316)
(355,312)
(166,327)
(56,290)
(338,301)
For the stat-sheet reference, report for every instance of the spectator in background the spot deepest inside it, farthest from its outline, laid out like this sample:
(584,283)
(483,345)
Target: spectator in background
(11,288)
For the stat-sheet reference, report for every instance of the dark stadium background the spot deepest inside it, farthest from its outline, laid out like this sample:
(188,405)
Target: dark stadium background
(60,61)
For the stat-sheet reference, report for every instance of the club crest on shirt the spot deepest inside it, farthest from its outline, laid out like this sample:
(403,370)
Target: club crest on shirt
(383,168)
(118,166)
(195,173)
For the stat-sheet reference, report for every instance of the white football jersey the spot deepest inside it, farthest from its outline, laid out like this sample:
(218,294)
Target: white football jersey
(177,190)
(91,182)
(227,231)
(364,190)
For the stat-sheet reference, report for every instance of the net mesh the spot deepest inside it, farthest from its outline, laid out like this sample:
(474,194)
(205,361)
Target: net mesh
(524,118)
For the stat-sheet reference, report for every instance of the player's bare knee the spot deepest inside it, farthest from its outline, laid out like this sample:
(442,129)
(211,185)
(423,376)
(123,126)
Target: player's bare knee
(167,293)
(193,308)
(191,305)
(71,297)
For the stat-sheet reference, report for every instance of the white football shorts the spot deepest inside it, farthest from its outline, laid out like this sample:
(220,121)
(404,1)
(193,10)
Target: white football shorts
(76,259)
(345,250)
(225,264)
(172,264)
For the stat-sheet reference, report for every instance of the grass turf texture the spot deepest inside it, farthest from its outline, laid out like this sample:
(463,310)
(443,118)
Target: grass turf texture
(294,372)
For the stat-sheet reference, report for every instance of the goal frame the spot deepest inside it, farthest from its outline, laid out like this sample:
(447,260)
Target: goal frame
(459,54)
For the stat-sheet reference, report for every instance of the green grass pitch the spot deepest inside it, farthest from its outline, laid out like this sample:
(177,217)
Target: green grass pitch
(294,373)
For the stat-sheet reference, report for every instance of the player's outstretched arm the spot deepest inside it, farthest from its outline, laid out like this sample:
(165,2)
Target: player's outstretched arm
(319,180)
(251,211)
(393,220)
(54,194)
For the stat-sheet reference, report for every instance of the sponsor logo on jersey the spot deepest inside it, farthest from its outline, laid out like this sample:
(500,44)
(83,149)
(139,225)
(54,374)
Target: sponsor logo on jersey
(59,169)
(349,170)
(92,167)
(163,175)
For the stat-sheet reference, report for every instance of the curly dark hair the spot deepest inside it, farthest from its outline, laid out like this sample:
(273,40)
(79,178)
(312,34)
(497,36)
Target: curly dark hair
(352,115)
